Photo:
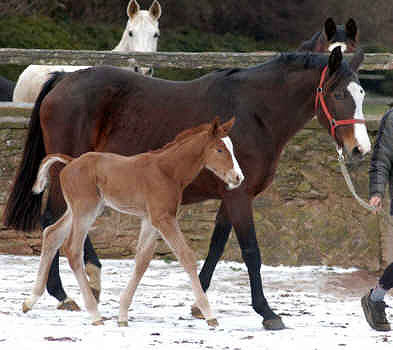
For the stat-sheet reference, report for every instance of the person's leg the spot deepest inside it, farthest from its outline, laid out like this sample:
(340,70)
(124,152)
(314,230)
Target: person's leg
(373,302)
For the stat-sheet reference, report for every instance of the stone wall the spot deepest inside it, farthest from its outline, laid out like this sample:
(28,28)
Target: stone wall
(307,216)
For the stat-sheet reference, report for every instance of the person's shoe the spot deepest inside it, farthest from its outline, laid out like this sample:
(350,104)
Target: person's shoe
(374,311)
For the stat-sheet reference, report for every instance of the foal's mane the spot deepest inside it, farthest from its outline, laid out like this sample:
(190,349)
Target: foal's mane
(183,136)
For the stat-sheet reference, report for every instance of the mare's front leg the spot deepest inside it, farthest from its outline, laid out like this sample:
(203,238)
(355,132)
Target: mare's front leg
(216,249)
(239,209)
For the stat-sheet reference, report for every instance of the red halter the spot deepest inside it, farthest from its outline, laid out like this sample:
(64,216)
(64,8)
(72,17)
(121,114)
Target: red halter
(332,122)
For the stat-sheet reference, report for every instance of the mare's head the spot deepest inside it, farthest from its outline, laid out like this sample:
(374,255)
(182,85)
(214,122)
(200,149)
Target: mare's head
(339,104)
(345,36)
(219,155)
(142,31)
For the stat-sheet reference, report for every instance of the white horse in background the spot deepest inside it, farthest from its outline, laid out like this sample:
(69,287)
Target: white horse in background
(141,34)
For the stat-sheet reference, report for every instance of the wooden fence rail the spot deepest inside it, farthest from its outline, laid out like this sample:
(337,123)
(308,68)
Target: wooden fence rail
(185,60)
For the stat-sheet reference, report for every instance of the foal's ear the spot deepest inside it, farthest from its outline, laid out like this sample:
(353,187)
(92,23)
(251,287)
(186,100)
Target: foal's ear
(133,8)
(330,28)
(351,29)
(227,127)
(214,129)
(155,10)
(335,59)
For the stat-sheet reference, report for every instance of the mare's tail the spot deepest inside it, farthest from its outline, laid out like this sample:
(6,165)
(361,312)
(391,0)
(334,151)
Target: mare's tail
(42,177)
(23,209)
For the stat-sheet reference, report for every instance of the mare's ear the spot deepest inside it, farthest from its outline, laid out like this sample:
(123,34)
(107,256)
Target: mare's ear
(351,29)
(155,10)
(357,59)
(330,28)
(133,8)
(227,127)
(335,59)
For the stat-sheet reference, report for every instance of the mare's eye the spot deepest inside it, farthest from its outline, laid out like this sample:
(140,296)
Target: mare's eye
(339,95)
(219,150)
(130,33)
(156,35)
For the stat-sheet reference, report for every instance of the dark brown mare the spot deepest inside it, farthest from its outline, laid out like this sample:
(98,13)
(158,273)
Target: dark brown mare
(331,36)
(109,109)
(149,185)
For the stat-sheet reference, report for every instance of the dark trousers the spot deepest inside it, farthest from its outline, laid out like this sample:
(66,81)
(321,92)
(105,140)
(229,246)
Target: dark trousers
(386,280)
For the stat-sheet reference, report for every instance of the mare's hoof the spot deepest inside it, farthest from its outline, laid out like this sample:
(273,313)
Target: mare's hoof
(273,324)
(98,322)
(122,323)
(26,307)
(69,305)
(196,312)
(212,322)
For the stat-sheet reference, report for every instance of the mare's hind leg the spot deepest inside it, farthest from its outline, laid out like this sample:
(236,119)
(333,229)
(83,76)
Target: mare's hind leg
(172,234)
(145,250)
(53,238)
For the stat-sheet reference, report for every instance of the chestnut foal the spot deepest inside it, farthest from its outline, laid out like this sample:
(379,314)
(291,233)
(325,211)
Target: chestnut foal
(149,185)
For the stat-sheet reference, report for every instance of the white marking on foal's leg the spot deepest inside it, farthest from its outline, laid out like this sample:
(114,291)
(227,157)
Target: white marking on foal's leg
(361,135)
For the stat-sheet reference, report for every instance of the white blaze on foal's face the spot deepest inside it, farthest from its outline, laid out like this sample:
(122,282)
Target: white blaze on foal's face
(236,168)
(360,130)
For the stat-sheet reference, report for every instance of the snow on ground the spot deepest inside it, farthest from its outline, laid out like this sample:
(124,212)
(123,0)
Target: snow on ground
(319,305)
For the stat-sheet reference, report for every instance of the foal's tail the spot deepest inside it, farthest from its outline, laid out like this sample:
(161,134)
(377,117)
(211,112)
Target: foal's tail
(42,176)
(23,209)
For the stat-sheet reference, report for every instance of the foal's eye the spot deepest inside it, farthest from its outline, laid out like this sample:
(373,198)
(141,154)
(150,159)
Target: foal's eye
(219,150)
(156,35)
(130,33)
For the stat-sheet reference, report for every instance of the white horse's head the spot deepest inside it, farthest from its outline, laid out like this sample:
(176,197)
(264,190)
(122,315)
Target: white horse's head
(142,32)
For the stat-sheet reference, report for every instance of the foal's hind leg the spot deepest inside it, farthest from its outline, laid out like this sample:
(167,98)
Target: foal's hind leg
(53,238)
(73,247)
(146,246)
(172,234)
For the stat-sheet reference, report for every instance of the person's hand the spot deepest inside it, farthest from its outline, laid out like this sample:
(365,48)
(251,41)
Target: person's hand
(376,202)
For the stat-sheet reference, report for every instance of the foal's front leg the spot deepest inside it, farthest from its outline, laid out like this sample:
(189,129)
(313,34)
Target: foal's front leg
(144,253)
(172,234)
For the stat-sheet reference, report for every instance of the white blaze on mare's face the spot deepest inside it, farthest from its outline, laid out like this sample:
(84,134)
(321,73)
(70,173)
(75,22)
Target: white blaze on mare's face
(336,44)
(228,143)
(361,135)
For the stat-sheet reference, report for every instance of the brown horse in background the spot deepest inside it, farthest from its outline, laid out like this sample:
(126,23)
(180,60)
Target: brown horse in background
(111,110)
(332,35)
(148,185)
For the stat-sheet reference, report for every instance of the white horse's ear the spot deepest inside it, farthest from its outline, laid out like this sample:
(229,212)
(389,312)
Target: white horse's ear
(133,8)
(155,10)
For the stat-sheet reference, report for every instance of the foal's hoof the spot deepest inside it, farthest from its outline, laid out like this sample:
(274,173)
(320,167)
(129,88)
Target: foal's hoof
(122,323)
(212,322)
(69,305)
(196,312)
(26,307)
(99,322)
(274,324)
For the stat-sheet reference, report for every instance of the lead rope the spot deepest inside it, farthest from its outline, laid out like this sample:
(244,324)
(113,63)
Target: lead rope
(348,180)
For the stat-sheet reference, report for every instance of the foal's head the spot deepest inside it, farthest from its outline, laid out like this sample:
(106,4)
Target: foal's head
(339,104)
(219,155)
(142,32)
